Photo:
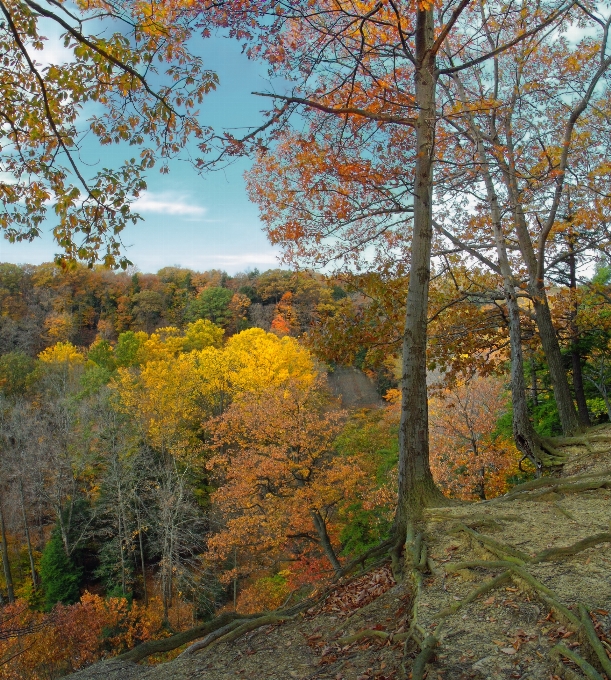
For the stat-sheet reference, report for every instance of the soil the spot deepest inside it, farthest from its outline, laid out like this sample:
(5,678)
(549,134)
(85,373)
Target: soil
(506,632)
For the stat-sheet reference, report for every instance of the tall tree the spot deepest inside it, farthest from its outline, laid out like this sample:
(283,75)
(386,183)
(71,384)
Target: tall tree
(527,139)
(375,69)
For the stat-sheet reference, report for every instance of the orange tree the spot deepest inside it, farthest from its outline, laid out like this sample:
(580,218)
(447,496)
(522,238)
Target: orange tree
(280,482)
(467,459)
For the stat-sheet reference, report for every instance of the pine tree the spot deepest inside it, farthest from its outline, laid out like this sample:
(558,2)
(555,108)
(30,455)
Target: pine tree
(59,575)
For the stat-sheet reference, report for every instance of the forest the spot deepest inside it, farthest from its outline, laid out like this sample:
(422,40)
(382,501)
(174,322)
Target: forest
(179,454)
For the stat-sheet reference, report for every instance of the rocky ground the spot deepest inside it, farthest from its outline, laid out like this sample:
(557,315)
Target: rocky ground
(499,587)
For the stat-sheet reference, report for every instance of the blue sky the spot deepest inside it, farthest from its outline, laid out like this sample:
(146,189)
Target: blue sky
(201,222)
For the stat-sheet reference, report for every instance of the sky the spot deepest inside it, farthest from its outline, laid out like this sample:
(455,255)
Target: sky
(199,222)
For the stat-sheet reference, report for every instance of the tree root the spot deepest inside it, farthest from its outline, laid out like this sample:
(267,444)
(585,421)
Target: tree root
(474,564)
(505,552)
(574,487)
(210,638)
(251,625)
(566,513)
(532,581)
(560,609)
(562,650)
(426,653)
(168,644)
(368,633)
(542,482)
(583,440)
(553,554)
(594,641)
(474,594)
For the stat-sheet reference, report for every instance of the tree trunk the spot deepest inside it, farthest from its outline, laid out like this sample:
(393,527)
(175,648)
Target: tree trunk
(580,396)
(142,564)
(26,529)
(536,288)
(527,440)
(325,541)
(416,486)
(5,561)
(551,348)
(533,381)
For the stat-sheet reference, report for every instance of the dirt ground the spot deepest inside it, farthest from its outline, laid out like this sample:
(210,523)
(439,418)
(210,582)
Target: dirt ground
(506,632)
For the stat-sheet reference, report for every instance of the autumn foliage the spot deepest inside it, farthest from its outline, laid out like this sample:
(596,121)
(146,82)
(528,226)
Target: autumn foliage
(469,460)
(38,646)
(280,480)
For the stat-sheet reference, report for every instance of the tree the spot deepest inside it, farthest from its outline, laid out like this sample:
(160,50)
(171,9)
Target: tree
(546,135)
(60,577)
(144,85)
(469,461)
(212,304)
(375,69)
(280,480)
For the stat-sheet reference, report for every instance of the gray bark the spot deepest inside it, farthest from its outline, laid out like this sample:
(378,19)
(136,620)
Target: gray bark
(416,485)
(8,577)
(325,541)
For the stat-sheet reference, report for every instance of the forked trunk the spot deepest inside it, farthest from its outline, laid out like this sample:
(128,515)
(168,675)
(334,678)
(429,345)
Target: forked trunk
(527,440)
(416,486)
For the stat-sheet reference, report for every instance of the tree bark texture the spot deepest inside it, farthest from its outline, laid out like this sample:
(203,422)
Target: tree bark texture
(416,486)
(325,541)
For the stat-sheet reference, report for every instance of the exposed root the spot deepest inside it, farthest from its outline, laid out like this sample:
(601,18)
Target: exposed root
(594,641)
(559,609)
(532,581)
(543,482)
(583,440)
(505,552)
(251,625)
(574,487)
(368,633)
(589,670)
(168,644)
(553,554)
(566,513)
(210,638)
(426,653)
(474,564)
(474,594)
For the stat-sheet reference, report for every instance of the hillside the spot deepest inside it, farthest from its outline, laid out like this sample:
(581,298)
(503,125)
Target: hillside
(503,585)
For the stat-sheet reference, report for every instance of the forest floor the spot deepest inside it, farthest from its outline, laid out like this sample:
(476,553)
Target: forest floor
(509,630)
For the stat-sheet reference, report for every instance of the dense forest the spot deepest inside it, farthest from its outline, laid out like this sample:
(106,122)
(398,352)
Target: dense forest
(163,436)
(179,452)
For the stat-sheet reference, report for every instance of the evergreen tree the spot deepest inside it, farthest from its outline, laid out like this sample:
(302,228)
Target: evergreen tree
(59,575)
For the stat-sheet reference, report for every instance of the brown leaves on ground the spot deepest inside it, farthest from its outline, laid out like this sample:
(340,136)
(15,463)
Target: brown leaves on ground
(357,593)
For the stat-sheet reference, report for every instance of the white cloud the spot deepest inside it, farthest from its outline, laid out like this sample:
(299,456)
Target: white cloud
(168,204)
